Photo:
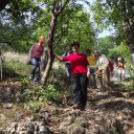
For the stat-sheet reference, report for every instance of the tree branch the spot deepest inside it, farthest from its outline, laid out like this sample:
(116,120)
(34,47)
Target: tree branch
(62,7)
(57,42)
(57,36)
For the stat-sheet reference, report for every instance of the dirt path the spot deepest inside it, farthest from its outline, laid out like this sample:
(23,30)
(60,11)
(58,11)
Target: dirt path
(106,112)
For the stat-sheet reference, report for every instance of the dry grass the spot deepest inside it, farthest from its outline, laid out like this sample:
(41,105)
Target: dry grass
(14,56)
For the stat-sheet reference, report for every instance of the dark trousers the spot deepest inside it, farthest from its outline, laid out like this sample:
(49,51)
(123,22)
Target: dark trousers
(92,71)
(68,68)
(79,85)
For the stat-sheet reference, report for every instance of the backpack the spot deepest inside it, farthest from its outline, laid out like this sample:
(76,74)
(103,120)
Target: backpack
(111,66)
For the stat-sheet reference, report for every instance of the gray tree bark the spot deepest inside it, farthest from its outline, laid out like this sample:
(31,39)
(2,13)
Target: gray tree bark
(47,60)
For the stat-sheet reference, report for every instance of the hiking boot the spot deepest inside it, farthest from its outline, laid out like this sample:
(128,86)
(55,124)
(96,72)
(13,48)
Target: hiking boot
(83,108)
(76,106)
(31,77)
(100,89)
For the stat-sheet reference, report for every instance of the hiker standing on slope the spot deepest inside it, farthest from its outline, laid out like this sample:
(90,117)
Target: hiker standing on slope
(102,64)
(67,63)
(79,72)
(34,56)
(121,69)
(92,61)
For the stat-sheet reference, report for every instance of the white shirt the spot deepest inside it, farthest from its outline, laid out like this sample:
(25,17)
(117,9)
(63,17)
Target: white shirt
(102,62)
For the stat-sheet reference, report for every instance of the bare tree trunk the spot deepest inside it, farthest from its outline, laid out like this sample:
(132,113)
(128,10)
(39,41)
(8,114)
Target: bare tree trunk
(129,26)
(48,54)
(48,50)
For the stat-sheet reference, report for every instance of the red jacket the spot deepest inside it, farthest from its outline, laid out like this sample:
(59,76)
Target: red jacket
(111,66)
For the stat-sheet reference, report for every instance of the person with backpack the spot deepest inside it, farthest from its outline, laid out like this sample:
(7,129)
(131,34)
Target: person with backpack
(92,61)
(35,57)
(80,70)
(102,65)
(67,63)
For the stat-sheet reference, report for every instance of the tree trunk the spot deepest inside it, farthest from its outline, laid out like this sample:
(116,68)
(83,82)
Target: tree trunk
(47,61)
(48,53)
(129,25)
(44,60)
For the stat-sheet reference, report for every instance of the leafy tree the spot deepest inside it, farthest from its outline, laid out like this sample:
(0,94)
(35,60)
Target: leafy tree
(104,44)
(17,24)
(60,12)
(121,50)
(114,13)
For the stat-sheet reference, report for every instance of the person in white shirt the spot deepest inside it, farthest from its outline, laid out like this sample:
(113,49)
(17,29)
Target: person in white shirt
(102,64)
(67,63)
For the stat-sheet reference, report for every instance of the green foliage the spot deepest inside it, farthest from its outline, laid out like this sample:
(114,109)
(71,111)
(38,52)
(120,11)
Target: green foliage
(110,15)
(121,51)
(104,45)
(25,79)
(46,93)
(113,132)
(18,19)
(85,124)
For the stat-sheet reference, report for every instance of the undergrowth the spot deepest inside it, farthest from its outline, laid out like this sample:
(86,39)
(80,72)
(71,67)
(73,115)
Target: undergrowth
(46,93)
(114,132)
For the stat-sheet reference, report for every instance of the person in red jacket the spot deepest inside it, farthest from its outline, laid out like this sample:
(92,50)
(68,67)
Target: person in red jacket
(79,72)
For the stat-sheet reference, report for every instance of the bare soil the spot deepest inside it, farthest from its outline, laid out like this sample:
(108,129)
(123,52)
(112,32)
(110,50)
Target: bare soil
(106,112)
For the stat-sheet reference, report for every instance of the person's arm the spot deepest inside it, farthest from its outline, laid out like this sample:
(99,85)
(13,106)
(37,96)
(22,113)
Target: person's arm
(88,67)
(88,71)
(57,56)
(30,53)
(124,66)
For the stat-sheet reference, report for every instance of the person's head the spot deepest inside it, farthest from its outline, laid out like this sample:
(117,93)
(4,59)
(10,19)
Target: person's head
(70,50)
(112,58)
(41,39)
(119,59)
(88,51)
(75,47)
(97,54)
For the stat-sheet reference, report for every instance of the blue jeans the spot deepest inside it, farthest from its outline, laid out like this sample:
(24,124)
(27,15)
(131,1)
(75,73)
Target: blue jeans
(92,71)
(121,74)
(36,63)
